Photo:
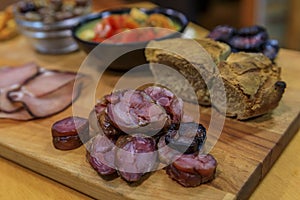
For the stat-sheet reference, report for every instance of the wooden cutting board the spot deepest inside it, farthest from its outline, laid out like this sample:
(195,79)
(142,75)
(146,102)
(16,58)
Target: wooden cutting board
(245,150)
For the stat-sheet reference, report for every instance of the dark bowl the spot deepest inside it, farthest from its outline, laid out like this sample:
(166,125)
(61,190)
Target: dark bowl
(132,53)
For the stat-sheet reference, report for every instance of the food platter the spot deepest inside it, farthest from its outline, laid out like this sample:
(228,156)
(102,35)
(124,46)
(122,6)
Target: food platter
(245,151)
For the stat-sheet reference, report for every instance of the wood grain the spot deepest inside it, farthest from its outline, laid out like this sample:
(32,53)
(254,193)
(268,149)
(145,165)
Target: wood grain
(292,37)
(282,182)
(245,150)
(39,187)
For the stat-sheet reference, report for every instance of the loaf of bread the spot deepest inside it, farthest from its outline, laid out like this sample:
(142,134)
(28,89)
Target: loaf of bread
(182,56)
(251,81)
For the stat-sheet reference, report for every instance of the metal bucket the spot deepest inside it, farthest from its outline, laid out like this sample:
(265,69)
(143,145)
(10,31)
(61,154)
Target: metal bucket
(53,38)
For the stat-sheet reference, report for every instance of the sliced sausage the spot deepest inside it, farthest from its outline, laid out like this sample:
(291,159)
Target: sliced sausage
(69,132)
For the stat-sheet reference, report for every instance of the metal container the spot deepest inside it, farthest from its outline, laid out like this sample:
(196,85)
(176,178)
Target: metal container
(51,38)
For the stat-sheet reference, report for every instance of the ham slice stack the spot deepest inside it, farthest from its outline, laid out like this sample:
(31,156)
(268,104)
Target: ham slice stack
(29,91)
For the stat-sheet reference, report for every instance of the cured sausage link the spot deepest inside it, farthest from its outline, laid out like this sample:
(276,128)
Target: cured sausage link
(69,132)
(192,170)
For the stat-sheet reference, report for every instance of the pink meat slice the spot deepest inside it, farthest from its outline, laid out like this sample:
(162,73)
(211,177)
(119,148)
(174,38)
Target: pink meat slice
(17,75)
(168,100)
(6,105)
(47,82)
(12,78)
(135,112)
(29,92)
(48,104)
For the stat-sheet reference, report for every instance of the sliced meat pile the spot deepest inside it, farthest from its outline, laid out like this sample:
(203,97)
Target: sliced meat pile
(29,91)
(136,130)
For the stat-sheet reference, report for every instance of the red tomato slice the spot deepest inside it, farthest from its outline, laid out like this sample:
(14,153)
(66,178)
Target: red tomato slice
(98,39)
(115,24)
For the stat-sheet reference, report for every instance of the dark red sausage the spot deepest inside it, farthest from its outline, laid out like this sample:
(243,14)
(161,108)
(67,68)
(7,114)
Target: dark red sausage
(188,139)
(222,33)
(192,170)
(101,155)
(134,112)
(135,157)
(69,132)
(94,126)
(107,127)
(168,100)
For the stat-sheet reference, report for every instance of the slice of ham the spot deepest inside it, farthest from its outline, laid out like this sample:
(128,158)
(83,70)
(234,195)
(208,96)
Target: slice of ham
(30,92)
(17,75)
(46,82)
(12,78)
(6,105)
(48,104)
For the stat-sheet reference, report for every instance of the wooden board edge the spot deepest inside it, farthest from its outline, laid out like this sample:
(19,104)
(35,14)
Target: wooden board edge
(73,181)
(250,185)
(270,159)
(283,142)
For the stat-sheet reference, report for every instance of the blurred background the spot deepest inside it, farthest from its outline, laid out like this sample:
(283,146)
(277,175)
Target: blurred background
(280,17)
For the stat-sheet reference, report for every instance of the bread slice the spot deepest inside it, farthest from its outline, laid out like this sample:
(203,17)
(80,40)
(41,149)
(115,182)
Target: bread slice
(251,81)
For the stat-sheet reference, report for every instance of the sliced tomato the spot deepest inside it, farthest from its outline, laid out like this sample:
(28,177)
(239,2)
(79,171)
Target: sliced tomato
(112,22)
(115,24)
(98,39)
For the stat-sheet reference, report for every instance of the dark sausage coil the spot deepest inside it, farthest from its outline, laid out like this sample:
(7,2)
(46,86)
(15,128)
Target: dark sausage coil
(189,138)
(248,39)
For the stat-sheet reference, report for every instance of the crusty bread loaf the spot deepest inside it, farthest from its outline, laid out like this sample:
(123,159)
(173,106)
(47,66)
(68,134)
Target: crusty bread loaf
(191,89)
(252,82)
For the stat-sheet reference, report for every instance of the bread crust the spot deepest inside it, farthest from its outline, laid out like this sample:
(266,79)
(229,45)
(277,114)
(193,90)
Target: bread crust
(192,88)
(252,82)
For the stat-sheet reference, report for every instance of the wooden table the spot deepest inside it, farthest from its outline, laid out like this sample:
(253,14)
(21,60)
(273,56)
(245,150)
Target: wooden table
(17,182)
